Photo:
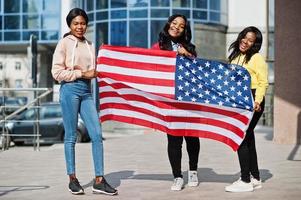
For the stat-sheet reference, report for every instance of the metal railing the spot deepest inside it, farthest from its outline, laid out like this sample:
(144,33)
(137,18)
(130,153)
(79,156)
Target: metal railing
(35,103)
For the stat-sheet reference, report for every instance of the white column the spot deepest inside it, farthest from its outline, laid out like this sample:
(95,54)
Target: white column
(66,6)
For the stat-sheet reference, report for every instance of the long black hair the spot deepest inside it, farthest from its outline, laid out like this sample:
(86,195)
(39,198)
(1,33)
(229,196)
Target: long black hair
(165,39)
(250,52)
(74,13)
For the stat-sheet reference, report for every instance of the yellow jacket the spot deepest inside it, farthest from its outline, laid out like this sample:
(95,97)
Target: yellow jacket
(258,69)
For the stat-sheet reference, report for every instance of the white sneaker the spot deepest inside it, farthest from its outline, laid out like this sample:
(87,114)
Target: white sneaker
(239,186)
(256,183)
(193,180)
(178,184)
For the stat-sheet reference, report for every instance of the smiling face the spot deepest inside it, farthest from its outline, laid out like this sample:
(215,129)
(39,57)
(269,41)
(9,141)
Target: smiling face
(78,26)
(247,42)
(176,28)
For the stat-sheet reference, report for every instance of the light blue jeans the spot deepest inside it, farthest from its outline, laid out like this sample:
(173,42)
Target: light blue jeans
(76,98)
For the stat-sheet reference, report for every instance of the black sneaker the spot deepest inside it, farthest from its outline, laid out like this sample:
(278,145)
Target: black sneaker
(75,187)
(104,188)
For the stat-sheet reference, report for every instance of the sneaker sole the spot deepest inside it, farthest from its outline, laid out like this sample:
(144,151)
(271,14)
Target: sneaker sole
(257,187)
(103,192)
(237,191)
(77,193)
(193,184)
(177,189)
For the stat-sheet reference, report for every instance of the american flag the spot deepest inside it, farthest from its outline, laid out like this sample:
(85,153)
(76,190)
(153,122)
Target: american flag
(176,95)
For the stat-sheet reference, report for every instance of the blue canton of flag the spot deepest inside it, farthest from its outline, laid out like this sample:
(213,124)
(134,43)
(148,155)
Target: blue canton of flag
(212,82)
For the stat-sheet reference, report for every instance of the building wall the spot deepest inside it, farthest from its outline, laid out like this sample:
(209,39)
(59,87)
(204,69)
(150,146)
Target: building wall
(15,67)
(210,41)
(287,99)
(245,13)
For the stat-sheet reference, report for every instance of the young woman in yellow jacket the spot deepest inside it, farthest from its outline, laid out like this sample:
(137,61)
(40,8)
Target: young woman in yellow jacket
(244,52)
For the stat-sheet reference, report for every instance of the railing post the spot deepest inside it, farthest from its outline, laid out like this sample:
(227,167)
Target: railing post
(38,126)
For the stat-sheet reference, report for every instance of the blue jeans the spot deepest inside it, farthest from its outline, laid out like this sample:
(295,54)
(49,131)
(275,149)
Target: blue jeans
(76,98)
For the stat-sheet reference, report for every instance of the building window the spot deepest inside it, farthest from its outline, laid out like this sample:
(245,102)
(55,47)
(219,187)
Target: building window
(18,83)
(18,66)
(1,66)
(12,6)
(33,6)
(138,38)
(102,33)
(118,33)
(181,3)
(160,3)
(12,22)
(118,3)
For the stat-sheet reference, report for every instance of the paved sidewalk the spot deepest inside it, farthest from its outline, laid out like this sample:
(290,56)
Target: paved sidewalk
(138,166)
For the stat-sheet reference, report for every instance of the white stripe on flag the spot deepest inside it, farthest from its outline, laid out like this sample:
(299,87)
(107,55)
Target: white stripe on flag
(136,57)
(136,72)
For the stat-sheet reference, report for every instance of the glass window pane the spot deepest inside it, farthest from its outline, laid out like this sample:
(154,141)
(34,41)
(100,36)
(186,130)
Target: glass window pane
(118,33)
(201,15)
(118,14)
(26,34)
(12,36)
(200,4)
(214,16)
(102,15)
(31,21)
(11,6)
(91,17)
(118,3)
(101,33)
(12,22)
(160,3)
(90,32)
(215,5)
(138,3)
(157,13)
(50,35)
(89,5)
(186,13)
(181,3)
(156,28)
(0,22)
(138,33)
(138,13)
(32,6)
(50,22)
(101,4)
(51,6)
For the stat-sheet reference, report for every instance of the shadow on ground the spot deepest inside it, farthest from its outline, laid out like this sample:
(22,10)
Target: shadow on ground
(4,190)
(205,175)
